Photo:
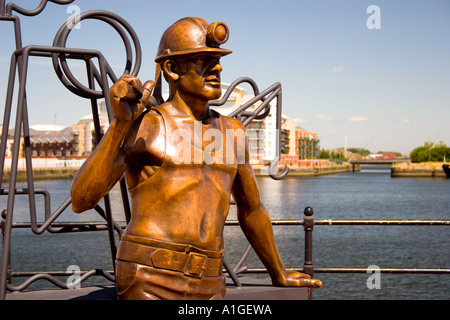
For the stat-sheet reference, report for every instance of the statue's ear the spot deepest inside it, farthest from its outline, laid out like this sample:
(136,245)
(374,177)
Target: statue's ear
(169,68)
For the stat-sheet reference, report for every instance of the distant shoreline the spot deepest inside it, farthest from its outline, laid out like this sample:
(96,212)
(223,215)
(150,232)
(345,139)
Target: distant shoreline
(418,170)
(43,174)
(260,171)
(313,171)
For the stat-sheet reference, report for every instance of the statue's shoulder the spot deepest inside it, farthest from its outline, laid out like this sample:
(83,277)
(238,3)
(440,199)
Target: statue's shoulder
(152,116)
(232,123)
(149,127)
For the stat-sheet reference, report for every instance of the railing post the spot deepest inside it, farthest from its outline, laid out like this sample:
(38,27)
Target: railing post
(5,278)
(308,225)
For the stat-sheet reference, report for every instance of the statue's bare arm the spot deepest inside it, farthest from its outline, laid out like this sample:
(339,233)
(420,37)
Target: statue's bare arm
(257,227)
(107,163)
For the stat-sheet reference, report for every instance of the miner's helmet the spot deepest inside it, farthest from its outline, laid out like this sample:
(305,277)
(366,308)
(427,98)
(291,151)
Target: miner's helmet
(193,35)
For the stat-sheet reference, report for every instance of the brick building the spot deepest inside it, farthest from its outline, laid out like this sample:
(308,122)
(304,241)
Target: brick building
(308,144)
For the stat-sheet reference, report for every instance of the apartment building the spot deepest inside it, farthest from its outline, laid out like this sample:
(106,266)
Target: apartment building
(48,141)
(295,144)
(308,144)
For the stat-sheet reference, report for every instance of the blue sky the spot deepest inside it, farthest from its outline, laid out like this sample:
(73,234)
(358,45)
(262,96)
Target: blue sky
(381,89)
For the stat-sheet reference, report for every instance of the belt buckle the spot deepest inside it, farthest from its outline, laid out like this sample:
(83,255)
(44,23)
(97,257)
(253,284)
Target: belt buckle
(195,265)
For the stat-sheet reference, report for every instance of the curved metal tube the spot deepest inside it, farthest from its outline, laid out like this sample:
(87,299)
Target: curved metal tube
(59,53)
(14,7)
(60,62)
(272,170)
(259,113)
(232,87)
(35,278)
(59,283)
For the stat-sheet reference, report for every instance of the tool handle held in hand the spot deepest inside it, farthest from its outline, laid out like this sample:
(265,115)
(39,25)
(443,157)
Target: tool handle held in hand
(127,91)
(124,90)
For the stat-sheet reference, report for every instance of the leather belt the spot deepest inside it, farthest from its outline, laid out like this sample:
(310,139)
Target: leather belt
(193,264)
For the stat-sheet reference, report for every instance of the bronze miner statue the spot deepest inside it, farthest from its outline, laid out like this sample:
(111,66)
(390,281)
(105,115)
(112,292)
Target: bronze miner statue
(182,162)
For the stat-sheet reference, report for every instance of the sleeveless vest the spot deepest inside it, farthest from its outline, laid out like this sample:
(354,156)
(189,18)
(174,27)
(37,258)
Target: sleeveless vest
(192,180)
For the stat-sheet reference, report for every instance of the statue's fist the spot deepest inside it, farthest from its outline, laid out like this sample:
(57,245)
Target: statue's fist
(129,97)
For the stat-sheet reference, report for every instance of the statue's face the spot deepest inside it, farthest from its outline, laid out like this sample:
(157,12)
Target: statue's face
(200,76)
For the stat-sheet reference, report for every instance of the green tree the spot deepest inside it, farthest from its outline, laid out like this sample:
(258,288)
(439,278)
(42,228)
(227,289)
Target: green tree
(429,145)
(439,151)
(361,151)
(430,152)
(325,154)
(419,154)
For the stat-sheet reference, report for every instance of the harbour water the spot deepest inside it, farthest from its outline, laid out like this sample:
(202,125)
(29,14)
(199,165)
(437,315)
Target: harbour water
(369,194)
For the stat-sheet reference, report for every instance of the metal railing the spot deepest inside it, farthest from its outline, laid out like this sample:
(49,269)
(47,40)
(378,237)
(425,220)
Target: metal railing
(234,272)
(308,223)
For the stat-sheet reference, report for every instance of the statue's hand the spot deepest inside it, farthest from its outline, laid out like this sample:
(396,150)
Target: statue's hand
(293,278)
(129,98)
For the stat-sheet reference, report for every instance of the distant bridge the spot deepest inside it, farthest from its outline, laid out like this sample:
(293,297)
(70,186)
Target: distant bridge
(354,163)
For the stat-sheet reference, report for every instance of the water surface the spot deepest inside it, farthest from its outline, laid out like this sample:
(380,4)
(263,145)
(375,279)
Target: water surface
(369,194)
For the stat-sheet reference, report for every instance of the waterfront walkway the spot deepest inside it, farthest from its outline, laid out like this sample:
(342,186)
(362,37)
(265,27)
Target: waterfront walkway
(252,289)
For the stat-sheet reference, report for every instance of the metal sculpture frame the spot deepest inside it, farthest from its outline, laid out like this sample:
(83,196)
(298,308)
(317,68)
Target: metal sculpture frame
(59,55)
